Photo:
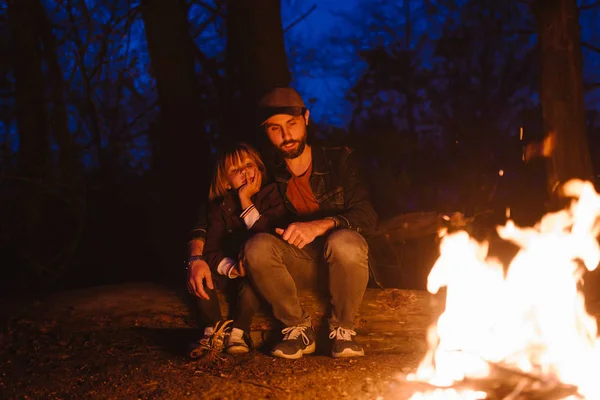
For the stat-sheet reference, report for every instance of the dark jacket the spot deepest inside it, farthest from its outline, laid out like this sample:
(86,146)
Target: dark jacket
(198,232)
(226,231)
(337,186)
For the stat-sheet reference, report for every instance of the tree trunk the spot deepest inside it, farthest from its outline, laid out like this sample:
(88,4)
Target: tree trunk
(46,198)
(562,102)
(561,91)
(180,150)
(34,137)
(256,62)
(33,154)
(411,122)
(70,180)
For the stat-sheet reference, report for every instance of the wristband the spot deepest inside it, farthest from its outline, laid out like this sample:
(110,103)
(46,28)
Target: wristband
(335,221)
(247,210)
(191,259)
(231,272)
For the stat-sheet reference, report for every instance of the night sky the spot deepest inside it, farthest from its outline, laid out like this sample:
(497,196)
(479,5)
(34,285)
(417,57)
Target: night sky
(326,72)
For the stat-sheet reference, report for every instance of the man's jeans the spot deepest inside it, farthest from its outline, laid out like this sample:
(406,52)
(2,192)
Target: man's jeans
(278,269)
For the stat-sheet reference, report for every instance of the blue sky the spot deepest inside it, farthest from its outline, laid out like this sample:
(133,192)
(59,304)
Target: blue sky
(318,76)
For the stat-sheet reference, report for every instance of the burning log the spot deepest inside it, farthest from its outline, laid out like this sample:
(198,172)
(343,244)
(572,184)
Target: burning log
(507,383)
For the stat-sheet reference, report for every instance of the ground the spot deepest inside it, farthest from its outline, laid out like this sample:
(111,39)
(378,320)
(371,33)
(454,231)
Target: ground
(129,342)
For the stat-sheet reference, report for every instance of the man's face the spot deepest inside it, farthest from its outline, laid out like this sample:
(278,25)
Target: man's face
(288,133)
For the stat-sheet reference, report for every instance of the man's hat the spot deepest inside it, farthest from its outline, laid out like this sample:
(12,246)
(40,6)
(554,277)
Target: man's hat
(281,100)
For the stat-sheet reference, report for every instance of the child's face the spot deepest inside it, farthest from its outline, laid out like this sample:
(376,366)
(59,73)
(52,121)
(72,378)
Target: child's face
(240,174)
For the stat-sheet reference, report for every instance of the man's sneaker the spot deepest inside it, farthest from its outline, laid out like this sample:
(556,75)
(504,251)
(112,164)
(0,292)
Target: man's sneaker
(344,344)
(235,343)
(213,340)
(297,340)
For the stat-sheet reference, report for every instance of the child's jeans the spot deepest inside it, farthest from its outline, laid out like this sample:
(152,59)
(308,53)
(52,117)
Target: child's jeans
(243,302)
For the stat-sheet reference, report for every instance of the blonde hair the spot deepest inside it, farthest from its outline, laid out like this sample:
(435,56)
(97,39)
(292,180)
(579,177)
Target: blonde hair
(232,157)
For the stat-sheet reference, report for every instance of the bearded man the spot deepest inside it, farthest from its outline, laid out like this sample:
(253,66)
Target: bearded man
(332,212)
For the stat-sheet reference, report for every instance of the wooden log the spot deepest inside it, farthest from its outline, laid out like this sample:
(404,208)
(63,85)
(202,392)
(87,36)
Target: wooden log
(388,320)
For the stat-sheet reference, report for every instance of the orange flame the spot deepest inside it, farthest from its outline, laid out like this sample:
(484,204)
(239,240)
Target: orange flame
(531,319)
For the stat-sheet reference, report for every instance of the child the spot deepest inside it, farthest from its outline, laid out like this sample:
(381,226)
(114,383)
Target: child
(239,206)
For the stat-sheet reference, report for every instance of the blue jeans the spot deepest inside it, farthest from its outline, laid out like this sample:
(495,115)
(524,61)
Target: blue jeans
(278,269)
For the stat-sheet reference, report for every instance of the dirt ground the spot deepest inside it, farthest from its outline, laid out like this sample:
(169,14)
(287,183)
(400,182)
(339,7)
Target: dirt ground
(130,341)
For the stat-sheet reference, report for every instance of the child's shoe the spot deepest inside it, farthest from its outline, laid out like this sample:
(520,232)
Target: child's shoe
(213,340)
(235,343)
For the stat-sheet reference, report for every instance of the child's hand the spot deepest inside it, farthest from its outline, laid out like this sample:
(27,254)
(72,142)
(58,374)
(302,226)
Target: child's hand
(241,269)
(237,271)
(251,187)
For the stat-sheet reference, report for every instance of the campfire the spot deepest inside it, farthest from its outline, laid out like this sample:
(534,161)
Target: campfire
(521,332)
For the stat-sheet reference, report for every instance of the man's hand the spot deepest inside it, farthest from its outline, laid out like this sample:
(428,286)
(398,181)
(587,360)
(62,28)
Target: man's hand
(248,190)
(302,233)
(199,274)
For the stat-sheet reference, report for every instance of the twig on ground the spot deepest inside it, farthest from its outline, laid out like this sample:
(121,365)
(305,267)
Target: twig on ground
(262,385)
(250,382)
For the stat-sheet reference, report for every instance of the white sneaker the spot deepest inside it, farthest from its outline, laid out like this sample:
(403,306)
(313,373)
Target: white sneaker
(344,344)
(213,340)
(236,343)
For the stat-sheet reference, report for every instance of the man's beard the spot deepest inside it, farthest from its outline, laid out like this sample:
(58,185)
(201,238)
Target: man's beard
(295,153)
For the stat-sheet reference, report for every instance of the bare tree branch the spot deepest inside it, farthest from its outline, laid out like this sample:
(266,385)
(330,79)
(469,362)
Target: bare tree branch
(215,13)
(88,105)
(138,117)
(122,78)
(108,30)
(210,65)
(591,47)
(300,18)
(217,10)
(524,32)
(589,6)
(205,25)
(591,86)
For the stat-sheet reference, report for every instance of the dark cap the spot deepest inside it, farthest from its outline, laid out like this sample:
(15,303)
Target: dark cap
(281,100)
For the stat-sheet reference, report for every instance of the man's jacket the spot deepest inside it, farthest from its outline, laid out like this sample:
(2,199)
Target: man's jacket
(337,187)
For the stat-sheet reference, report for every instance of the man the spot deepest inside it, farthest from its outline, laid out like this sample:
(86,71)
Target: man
(322,188)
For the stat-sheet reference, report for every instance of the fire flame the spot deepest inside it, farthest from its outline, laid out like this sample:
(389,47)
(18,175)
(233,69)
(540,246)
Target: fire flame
(531,320)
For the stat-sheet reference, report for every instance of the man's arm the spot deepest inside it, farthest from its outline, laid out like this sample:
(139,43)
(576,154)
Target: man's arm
(199,273)
(198,232)
(196,247)
(359,213)
(302,233)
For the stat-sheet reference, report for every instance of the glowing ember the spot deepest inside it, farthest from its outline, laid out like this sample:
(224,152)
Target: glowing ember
(526,331)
